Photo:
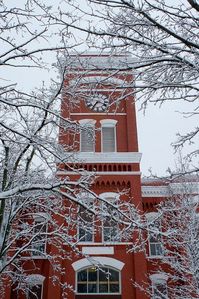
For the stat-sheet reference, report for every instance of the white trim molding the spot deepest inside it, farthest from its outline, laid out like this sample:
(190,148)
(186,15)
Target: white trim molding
(100,157)
(98,261)
(108,122)
(155,191)
(170,189)
(104,80)
(34,279)
(123,173)
(159,277)
(86,121)
(98,250)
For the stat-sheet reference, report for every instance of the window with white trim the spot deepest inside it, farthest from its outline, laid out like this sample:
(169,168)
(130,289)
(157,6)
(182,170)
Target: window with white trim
(159,286)
(108,135)
(85,219)
(154,235)
(87,135)
(34,289)
(38,246)
(111,230)
(94,280)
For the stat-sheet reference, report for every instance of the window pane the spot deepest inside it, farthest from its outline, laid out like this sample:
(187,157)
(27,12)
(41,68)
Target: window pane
(87,139)
(39,242)
(82,276)
(114,275)
(160,291)
(92,274)
(155,249)
(85,233)
(103,274)
(85,236)
(92,288)
(108,139)
(111,234)
(103,288)
(82,288)
(35,292)
(114,288)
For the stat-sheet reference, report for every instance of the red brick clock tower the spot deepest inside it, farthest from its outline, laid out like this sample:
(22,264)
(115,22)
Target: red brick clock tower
(107,144)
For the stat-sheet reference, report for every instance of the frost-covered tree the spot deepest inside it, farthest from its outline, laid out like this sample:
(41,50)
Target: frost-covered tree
(38,210)
(162,36)
(31,196)
(178,253)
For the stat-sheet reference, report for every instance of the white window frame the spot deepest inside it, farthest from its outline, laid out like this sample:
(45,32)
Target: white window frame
(35,280)
(159,279)
(39,218)
(151,217)
(87,123)
(114,197)
(98,293)
(89,198)
(108,123)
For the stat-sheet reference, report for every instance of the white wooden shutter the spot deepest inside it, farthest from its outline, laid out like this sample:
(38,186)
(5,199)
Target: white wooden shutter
(108,139)
(87,139)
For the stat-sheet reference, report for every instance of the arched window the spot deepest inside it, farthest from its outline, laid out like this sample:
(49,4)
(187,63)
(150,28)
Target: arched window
(94,280)
(108,135)
(87,135)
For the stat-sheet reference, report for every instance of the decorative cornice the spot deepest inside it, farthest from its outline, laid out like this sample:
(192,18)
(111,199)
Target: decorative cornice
(99,61)
(112,157)
(155,191)
(171,189)
(99,173)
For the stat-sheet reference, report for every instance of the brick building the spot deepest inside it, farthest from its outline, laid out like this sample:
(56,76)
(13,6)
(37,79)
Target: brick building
(107,145)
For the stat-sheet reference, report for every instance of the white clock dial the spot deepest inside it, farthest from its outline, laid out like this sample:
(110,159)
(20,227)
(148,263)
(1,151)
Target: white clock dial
(97,102)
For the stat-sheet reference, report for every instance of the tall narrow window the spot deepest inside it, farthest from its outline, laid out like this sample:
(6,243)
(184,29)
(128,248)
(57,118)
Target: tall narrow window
(85,219)
(85,226)
(154,235)
(39,235)
(108,135)
(111,229)
(159,286)
(87,135)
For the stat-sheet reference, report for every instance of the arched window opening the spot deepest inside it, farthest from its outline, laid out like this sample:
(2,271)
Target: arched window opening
(94,280)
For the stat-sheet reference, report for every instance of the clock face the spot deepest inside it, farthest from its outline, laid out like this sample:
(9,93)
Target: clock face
(98,102)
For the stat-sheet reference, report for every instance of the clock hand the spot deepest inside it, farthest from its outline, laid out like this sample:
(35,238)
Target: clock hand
(95,104)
